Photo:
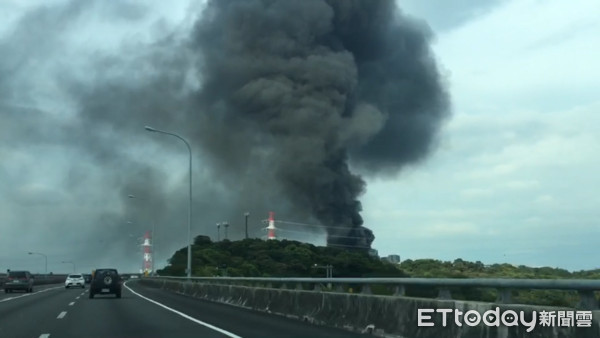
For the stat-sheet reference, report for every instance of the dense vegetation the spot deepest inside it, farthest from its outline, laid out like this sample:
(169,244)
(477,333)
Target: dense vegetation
(259,258)
(462,269)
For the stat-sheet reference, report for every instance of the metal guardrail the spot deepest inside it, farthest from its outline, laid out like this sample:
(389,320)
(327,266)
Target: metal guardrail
(584,287)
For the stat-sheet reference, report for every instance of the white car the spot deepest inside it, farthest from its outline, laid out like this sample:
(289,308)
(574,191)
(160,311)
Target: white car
(75,280)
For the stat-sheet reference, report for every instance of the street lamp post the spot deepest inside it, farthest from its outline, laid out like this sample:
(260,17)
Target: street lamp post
(218,232)
(246,217)
(189,241)
(70,262)
(226,225)
(45,257)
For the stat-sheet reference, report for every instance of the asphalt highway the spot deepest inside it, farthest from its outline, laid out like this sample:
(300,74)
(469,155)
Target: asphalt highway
(53,311)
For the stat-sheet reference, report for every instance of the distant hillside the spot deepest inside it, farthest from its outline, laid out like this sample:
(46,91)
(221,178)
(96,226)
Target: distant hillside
(463,269)
(259,258)
(430,268)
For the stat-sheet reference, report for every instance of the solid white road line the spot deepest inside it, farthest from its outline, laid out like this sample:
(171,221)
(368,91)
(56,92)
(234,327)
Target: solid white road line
(30,294)
(62,315)
(227,333)
(71,303)
(44,335)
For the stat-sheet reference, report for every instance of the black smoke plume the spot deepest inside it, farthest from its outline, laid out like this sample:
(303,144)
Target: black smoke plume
(309,86)
(278,98)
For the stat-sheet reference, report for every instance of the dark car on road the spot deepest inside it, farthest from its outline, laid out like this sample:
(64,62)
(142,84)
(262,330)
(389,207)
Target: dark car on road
(87,277)
(18,280)
(105,281)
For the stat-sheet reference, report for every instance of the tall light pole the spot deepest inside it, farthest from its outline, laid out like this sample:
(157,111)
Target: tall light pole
(189,239)
(218,232)
(226,225)
(246,217)
(46,257)
(69,262)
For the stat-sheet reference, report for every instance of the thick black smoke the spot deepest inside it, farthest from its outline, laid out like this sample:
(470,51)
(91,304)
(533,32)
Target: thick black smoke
(308,86)
(277,99)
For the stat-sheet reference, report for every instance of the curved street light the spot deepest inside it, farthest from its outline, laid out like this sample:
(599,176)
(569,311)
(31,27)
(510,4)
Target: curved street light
(45,257)
(189,240)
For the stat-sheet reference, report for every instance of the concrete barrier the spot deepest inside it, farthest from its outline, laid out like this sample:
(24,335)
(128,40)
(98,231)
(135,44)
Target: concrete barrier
(49,279)
(385,316)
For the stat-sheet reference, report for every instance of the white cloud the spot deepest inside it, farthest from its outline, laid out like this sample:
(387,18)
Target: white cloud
(522,185)
(516,177)
(477,193)
(525,54)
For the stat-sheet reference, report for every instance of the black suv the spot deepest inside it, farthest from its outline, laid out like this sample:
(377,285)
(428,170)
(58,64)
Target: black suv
(105,281)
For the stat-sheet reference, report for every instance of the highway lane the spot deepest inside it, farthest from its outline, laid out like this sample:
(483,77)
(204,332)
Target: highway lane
(56,312)
(22,314)
(243,322)
(36,288)
(130,316)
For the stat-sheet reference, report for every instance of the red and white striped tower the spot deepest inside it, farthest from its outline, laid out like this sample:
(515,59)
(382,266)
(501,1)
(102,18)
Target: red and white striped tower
(147,253)
(271,228)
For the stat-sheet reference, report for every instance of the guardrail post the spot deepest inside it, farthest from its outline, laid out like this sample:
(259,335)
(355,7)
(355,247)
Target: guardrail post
(504,296)
(366,289)
(399,290)
(587,300)
(444,293)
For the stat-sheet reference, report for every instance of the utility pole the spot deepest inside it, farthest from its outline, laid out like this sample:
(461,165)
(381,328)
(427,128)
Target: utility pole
(153,248)
(218,232)
(246,217)
(226,225)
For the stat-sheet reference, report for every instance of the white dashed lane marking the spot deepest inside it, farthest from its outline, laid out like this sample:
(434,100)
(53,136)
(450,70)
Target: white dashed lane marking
(29,294)
(44,335)
(62,315)
(71,303)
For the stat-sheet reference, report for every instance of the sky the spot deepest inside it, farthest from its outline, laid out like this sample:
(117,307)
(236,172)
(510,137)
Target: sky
(512,177)
(515,176)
